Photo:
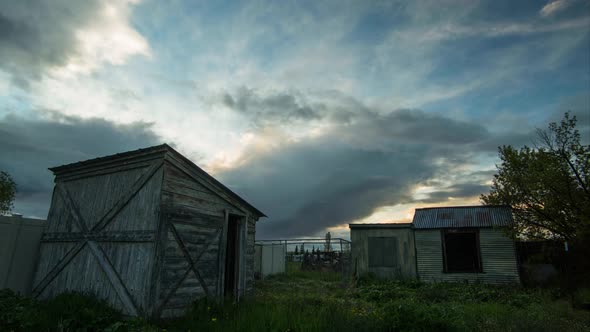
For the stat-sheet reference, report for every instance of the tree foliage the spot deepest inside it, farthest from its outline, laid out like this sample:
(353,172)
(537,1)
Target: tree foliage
(7,192)
(546,185)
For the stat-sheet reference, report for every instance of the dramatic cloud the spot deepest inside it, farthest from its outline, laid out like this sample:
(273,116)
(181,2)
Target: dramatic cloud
(318,112)
(40,35)
(29,147)
(354,167)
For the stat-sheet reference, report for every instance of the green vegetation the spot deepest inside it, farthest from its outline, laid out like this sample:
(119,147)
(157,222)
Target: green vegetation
(314,301)
(547,185)
(66,312)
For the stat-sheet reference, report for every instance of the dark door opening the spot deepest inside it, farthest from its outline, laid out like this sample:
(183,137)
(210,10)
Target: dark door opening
(232,254)
(461,251)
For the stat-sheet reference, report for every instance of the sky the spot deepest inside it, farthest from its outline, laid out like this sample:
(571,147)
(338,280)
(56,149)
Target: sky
(319,113)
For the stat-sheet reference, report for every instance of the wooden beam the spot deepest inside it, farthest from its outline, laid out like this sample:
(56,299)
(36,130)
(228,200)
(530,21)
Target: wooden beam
(121,203)
(160,307)
(38,289)
(192,267)
(114,278)
(122,236)
(158,258)
(74,212)
(188,257)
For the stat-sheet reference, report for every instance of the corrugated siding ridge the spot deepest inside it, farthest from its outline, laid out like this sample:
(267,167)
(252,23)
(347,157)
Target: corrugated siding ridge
(459,217)
(497,251)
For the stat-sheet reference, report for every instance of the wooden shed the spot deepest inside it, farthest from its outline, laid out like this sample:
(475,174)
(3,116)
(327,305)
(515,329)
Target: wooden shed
(148,231)
(462,244)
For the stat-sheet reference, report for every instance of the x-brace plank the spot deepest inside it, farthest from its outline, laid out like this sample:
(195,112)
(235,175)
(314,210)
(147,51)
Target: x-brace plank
(121,203)
(113,277)
(192,264)
(67,199)
(97,251)
(188,257)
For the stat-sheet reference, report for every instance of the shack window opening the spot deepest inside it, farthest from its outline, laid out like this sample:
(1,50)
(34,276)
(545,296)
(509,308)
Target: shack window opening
(461,251)
(382,251)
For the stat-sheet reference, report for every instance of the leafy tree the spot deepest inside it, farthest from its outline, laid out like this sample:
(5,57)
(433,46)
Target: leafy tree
(546,185)
(296,250)
(7,192)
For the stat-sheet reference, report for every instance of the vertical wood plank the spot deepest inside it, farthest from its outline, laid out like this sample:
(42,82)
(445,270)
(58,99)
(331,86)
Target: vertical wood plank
(114,278)
(222,255)
(158,257)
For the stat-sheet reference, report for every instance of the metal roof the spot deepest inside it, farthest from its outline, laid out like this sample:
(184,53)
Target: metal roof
(463,216)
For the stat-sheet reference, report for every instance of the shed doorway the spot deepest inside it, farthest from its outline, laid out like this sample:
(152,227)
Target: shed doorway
(232,256)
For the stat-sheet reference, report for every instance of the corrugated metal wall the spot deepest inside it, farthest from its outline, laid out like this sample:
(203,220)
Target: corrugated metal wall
(497,255)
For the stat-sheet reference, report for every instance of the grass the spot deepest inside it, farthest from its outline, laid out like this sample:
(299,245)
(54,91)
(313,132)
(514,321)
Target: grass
(316,301)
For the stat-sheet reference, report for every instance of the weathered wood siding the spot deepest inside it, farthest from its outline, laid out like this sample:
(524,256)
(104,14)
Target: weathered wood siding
(191,260)
(194,218)
(404,253)
(497,255)
(100,237)
(144,230)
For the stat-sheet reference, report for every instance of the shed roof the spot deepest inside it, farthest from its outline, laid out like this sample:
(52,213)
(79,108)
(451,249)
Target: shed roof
(463,216)
(153,150)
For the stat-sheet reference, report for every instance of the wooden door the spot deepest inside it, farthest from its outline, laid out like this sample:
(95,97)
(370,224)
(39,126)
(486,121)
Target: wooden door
(100,236)
(190,267)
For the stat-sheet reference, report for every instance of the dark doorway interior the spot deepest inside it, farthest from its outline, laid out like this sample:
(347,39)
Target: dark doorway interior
(232,254)
(462,252)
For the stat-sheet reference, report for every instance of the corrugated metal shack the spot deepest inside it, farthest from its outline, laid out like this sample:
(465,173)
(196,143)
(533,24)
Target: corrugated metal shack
(459,244)
(148,231)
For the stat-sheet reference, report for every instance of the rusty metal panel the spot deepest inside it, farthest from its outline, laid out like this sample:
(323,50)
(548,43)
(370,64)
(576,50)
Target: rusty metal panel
(462,216)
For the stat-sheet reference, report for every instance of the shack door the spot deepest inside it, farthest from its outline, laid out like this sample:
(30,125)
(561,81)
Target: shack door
(190,260)
(232,257)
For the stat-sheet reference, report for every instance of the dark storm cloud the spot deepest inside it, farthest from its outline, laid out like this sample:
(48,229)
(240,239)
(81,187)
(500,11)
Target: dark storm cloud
(35,34)
(366,159)
(405,124)
(463,190)
(416,126)
(308,186)
(346,174)
(29,147)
